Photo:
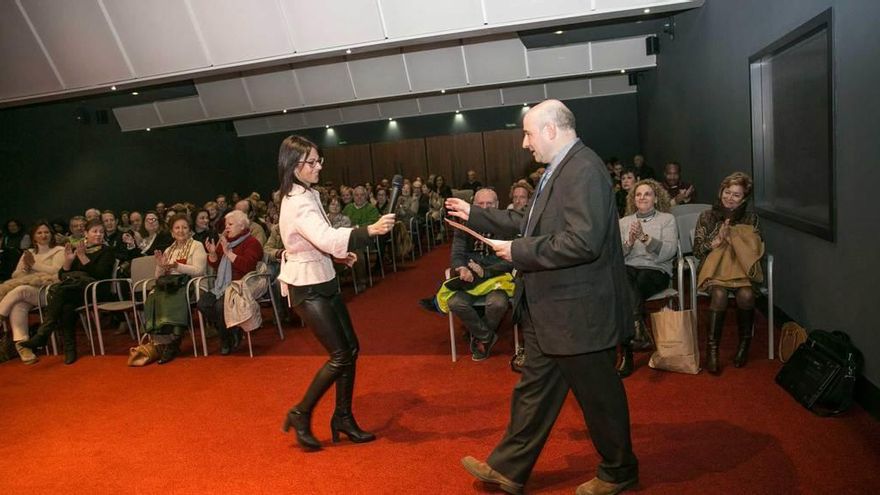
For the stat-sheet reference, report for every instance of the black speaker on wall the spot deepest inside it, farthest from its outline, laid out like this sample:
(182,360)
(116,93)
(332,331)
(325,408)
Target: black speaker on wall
(652,45)
(633,78)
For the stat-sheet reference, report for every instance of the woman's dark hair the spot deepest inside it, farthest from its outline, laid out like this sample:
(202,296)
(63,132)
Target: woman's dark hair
(143,231)
(293,150)
(719,213)
(42,223)
(17,224)
(196,216)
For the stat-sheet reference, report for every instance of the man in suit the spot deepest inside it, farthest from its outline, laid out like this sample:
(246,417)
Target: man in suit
(571,303)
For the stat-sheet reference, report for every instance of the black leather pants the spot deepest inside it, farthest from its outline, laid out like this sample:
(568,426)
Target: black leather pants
(328,318)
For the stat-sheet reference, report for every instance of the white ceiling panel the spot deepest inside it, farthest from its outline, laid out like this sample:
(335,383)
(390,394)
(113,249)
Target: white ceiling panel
(361,113)
(19,49)
(568,89)
(523,94)
(137,117)
(251,127)
(328,83)
(181,110)
(285,121)
(83,57)
(273,90)
(405,18)
(559,60)
(611,85)
(158,36)
(236,30)
(317,118)
(481,99)
(359,22)
(439,104)
(614,54)
(399,108)
(624,4)
(224,97)
(437,68)
(495,60)
(499,11)
(377,76)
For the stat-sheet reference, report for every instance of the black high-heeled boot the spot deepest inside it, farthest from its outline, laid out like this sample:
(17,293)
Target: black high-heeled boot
(41,338)
(744,320)
(302,425)
(627,364)
(343,420)
(69,346)
(716,325)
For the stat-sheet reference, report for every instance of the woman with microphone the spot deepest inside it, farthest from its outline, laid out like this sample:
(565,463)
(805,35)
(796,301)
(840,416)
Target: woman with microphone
(311,245)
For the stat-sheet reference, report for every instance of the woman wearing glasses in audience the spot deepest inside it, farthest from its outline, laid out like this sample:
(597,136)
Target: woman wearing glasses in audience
(311,245)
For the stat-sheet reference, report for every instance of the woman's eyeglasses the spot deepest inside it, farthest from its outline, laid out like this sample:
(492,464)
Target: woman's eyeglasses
(313,162)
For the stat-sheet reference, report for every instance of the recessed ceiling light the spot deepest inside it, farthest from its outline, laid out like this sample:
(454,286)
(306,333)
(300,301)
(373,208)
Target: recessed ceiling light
(112,88)
(348,52)
(558,32)
(442,91)
(148,129)
(457,112)
(525,104)
(647,11)
(390,119)
(623,71)
(284,111)
(326,127)
(134,93)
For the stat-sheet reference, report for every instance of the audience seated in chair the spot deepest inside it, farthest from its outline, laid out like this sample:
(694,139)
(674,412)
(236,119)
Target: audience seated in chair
(650,240)
(472,183)
(232,257)
(361,213)
(627,181)
(257,230)
(474,262)
(728,245)
(166,311)
(12,243)
(37,268)
(520,193)
(680,193)
(88,261)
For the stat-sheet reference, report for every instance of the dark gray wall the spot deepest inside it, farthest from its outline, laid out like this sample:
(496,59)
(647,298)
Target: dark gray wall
(695,108)
(53,166)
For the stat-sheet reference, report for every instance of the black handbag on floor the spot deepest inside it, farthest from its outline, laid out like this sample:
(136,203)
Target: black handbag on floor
(821,373)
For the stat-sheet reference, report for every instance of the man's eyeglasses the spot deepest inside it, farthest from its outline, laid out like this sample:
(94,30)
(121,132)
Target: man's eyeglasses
(313,162)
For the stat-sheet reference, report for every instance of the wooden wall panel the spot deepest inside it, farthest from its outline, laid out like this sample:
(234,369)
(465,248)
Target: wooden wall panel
(452,156)
(349,164)
(468,154)
(406,157)
(506,160)
(440,151)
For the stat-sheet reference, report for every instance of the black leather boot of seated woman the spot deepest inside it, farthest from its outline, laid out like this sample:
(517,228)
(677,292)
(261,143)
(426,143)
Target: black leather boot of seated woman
(343,420)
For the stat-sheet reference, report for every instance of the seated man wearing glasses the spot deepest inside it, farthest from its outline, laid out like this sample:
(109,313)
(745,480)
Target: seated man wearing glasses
(474,263)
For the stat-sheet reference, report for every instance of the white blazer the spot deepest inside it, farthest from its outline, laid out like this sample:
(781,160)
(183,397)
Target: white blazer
(310,242)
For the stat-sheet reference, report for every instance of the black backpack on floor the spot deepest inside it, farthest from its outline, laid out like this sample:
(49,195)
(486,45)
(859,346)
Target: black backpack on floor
(821,373)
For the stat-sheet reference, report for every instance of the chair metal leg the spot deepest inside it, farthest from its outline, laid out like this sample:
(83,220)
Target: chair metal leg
(250,344)
(452,338)
(274,301)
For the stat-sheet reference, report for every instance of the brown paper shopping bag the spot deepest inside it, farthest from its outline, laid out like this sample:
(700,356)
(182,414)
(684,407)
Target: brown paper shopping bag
(675,336)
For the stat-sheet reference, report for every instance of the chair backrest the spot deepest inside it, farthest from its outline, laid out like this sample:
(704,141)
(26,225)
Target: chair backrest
(463,194)
(686,217)
(143,268)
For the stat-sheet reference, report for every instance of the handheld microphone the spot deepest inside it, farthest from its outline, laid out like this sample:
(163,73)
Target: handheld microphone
(396,186)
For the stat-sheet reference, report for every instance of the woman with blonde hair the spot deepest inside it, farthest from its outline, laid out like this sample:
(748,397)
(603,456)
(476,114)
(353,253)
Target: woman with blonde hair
(728,245)
(650,241)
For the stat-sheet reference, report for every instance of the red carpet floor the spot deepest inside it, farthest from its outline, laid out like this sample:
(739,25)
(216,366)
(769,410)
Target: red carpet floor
(211,425)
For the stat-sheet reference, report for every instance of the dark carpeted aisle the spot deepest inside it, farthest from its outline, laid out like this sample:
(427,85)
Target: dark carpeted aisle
(202,425)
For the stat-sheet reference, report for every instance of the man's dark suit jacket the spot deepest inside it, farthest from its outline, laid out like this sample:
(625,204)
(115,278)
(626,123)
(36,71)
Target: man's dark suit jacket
(570,263)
